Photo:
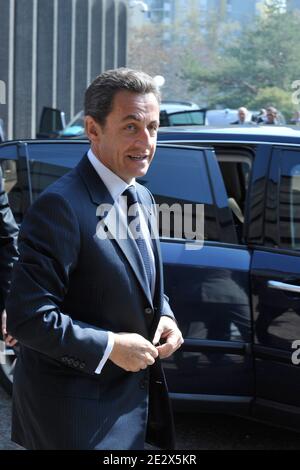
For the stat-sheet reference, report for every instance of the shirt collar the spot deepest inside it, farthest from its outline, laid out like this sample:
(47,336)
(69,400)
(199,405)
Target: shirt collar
(115,185)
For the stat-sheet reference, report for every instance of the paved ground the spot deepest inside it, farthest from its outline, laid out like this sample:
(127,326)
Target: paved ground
(5,417)
(195,432)
(215,432)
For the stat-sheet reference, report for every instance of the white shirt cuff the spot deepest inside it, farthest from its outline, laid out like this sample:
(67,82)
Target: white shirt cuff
(108,350)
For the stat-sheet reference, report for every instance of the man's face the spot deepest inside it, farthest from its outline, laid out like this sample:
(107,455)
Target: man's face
(127,142)
(271,116)
(242,115)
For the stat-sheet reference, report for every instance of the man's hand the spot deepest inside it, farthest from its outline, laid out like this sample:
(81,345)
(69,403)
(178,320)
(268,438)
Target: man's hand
(132,352)
(170,333)
(8,339)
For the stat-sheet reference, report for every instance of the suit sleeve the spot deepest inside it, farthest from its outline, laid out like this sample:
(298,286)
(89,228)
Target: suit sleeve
(166,309)
(49,245)
(8,244)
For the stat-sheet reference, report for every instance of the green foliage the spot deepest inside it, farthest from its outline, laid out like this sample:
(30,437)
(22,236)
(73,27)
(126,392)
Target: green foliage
(218,64)
(273,96)
(264,59)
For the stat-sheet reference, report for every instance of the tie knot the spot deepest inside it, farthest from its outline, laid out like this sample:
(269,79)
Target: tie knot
(131,195)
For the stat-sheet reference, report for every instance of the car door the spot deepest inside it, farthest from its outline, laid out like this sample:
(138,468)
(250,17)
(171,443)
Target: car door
(208,286)
(275,277)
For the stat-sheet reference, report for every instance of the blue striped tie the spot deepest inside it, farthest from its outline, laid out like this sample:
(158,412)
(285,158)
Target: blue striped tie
(132,200)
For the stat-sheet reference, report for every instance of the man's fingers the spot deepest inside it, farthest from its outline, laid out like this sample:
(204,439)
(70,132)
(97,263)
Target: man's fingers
(150,359)
(172,343)
(132,352)
(154,352)
(151,350)
(157,336)
(10,341)
(165,350)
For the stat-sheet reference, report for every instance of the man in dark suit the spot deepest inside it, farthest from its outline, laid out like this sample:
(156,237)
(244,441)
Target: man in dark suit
(243,117)
(86,304)
(271,117)
(8,254)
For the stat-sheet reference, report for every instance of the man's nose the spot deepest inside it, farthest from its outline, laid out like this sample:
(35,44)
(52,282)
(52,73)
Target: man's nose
(144,138)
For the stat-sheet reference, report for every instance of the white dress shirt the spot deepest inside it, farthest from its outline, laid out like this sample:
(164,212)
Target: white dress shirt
(116,186)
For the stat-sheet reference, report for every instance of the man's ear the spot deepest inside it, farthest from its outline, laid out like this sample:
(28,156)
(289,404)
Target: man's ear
(92,128)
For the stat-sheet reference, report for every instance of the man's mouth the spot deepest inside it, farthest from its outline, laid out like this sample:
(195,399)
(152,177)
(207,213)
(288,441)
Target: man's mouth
(138,157)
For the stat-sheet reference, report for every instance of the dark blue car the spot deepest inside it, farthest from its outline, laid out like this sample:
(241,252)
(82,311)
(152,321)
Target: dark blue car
(236,292)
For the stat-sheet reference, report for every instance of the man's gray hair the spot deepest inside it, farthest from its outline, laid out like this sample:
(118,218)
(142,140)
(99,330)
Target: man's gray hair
(99,96)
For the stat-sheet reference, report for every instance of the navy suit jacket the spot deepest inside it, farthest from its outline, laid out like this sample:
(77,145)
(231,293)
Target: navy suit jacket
(68,289)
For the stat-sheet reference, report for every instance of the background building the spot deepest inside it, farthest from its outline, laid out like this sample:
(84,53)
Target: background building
(50,50)
(293,4)
(169,12)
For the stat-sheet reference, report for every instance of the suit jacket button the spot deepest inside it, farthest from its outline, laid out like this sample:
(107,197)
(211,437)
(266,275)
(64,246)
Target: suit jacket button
(76,363)
(148,311)
(82,365)
(143,383)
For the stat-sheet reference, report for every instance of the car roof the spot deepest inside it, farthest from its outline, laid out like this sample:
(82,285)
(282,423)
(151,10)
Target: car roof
(232,133)
(221,117)
(175,106)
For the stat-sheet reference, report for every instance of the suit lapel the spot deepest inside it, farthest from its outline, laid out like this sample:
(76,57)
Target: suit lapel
(129,248)
(100,195)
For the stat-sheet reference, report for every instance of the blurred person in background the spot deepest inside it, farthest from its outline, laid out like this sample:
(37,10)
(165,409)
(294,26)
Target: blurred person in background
(296,119)
(243,117)
(271,117)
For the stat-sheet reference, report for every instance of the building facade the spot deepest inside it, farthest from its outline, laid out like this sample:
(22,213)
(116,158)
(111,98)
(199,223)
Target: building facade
(168,12)
(50,50)
(293,5)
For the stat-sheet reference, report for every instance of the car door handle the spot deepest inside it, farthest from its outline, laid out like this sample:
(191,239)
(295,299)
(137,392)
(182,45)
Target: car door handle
(283,286)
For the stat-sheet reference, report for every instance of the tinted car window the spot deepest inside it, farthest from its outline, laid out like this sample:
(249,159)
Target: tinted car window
(192,118)
(180,176)
(289,200)
(49,162)
(46,162)
(12,187)
(13,174)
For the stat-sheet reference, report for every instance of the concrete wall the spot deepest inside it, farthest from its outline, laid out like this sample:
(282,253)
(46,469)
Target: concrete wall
(50,50)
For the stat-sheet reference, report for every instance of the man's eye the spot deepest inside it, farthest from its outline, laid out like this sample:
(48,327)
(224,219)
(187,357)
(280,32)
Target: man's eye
(153,129)
(130,127)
